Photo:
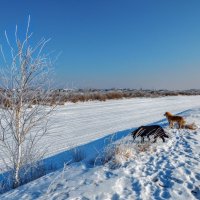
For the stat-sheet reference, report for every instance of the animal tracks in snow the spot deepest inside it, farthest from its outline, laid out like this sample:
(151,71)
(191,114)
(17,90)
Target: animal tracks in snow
(169,170)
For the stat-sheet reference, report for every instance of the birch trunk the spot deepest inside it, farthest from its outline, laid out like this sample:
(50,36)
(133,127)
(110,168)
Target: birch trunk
(18,150)
(24,80)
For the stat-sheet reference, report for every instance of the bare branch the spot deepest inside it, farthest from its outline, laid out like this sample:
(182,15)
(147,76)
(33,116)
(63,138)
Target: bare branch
(24,88)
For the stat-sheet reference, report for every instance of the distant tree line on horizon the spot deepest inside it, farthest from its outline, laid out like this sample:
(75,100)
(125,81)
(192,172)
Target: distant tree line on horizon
(61,96)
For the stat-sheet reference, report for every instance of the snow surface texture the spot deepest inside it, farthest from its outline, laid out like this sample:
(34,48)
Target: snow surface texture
(80,123)
(75,125)
(87,125)
(169,170)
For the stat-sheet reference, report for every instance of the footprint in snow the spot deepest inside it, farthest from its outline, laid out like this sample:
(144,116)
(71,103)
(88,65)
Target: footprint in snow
(190,185)
(179,181)
(197,176)
(87,182)
(187,171)
(165,194)
(109,174)
(115,197)
(165,183)
(36,195)
(61,196)
(84,198)
(136,187)
(155,179)
(196,192)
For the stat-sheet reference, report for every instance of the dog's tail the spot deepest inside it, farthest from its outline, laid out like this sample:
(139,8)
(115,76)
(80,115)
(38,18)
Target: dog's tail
(192,126)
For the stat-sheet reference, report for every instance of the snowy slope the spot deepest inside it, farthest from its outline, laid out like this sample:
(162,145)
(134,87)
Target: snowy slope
(77,124)
(168,170)
(73,125)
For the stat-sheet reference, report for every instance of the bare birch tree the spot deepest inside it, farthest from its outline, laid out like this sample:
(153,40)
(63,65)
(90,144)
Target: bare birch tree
(24,92)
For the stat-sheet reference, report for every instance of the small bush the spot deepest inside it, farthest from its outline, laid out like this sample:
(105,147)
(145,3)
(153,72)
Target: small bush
(116,154)
(142,147)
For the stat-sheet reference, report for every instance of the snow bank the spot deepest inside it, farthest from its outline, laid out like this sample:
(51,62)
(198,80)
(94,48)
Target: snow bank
(163,171)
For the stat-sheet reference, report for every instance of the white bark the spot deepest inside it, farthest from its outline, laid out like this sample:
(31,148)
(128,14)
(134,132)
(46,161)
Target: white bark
(24,82)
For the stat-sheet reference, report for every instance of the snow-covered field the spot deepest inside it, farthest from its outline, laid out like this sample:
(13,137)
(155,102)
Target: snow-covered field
(80,123)
(163,171)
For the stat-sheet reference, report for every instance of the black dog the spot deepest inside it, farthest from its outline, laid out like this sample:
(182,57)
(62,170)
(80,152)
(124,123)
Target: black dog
(147,131)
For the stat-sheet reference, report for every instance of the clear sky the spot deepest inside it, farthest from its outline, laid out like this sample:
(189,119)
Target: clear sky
(115,43)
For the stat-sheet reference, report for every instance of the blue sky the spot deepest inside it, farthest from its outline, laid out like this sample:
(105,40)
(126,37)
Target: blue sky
(110,43)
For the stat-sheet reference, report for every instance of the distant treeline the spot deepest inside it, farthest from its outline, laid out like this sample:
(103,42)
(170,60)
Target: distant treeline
(102,95)
(61,96)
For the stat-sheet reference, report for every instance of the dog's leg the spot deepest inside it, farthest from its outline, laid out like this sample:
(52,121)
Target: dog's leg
(163,138)
(142,139)
(169,122)
(138,132)
(166,136)
(181,125)
(135,133)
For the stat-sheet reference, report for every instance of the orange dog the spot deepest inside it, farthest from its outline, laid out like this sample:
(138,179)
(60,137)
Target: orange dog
(174,118)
